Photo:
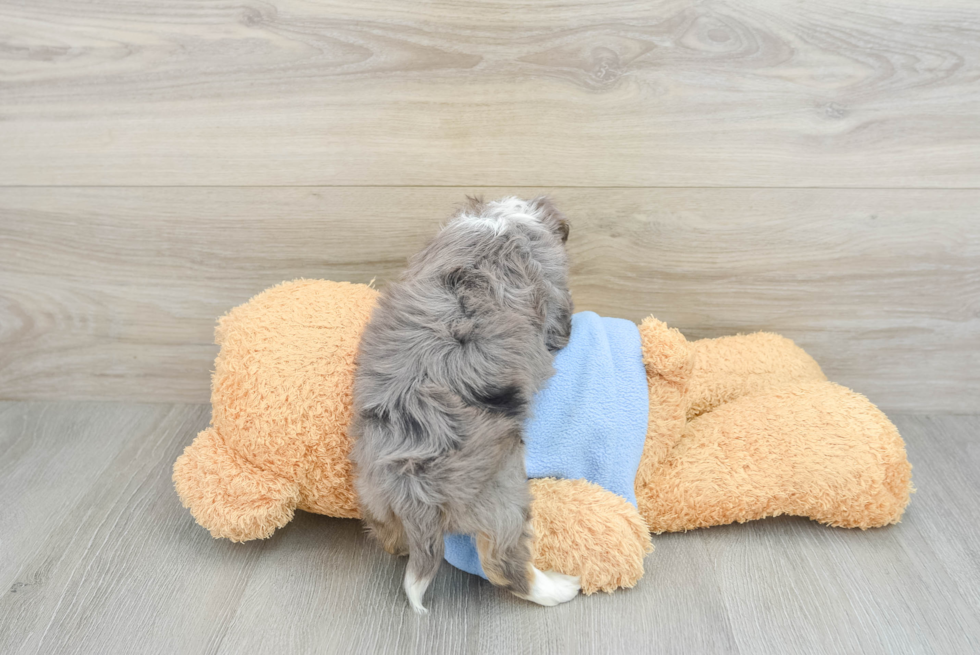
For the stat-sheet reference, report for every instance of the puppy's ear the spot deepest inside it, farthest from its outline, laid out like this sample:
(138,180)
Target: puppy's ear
(473,206)
(551,217)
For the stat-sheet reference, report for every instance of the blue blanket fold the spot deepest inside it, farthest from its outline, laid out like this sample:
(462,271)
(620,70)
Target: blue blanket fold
(590,420)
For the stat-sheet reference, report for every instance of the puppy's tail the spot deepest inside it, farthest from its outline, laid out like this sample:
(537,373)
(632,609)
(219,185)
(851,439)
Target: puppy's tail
(424,534)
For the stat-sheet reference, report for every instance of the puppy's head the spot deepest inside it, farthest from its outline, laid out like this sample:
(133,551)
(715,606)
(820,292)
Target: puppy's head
(499,214)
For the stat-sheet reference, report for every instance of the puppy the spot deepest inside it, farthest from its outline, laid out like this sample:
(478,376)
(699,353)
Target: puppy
(448,365)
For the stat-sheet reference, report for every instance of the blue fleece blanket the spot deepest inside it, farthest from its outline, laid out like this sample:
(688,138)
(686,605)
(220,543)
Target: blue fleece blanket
(590,420)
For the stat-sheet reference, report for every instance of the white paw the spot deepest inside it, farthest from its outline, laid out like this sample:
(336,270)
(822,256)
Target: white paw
(415,589)
(550,588)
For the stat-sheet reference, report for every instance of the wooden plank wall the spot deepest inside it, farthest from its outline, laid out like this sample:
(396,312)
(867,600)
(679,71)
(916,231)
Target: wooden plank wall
(806,168)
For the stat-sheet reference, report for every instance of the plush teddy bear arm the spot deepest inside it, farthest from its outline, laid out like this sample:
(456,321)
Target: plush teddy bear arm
(228,495)
(811,449)
(727,368)
(582,529)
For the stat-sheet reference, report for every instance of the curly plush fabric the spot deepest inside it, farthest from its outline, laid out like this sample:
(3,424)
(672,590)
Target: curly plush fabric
(746,427)
(718,474)
(281,405)
(582,529)
(738,428)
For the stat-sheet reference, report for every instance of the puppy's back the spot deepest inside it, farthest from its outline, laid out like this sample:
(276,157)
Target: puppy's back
(457,340)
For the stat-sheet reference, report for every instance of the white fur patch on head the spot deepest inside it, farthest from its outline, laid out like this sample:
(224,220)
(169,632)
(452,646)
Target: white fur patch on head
(494,225)
(498,215)
(550,588)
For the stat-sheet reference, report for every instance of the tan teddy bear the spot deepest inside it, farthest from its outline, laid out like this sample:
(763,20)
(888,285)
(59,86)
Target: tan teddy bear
(740,428)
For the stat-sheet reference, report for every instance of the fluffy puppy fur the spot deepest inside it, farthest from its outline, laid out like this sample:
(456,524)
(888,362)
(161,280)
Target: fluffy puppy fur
(448,365)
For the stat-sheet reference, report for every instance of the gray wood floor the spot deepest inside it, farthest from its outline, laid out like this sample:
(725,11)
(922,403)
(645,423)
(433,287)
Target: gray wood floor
(98,556)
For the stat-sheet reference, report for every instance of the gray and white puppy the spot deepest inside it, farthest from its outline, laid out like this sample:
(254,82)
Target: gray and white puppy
(447,368)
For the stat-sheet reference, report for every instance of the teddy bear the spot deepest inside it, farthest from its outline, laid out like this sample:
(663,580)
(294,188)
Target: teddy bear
(734,429)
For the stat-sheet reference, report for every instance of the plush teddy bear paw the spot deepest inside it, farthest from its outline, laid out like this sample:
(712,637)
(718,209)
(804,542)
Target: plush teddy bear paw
(550,588)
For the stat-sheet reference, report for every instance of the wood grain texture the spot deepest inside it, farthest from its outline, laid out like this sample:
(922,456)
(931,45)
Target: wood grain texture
(575,93)
(120,566)
(114,293)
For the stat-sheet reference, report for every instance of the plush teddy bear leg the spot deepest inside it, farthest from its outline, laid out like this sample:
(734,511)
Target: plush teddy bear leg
(727,368)
(228,495)
(811,449)
(583,530)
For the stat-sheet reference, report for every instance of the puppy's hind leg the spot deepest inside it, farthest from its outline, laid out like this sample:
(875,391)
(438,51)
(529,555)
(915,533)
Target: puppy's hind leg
(505,553)
(424,535)
(389,533)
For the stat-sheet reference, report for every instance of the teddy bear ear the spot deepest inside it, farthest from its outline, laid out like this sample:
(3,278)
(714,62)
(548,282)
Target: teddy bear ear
(228,495)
